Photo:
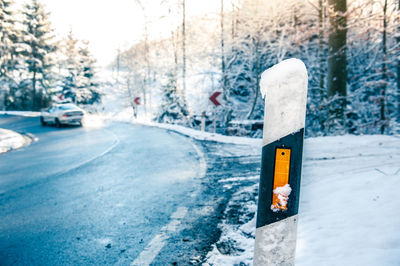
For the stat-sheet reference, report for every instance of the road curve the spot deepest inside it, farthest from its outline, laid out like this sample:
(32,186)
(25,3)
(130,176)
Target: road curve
(92,196)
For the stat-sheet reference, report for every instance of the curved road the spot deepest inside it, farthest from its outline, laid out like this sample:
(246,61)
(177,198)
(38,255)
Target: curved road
(90,196)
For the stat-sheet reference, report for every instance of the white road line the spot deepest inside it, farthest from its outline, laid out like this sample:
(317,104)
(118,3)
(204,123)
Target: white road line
(158,242)
(203,164)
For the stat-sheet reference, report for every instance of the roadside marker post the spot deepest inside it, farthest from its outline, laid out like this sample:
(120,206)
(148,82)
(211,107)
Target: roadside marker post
(284,87)
(203,121)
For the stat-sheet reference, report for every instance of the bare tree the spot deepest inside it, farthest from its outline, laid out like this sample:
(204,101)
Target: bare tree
(384,70)
(224,80)
(398,60)
(146,57)
(184,49)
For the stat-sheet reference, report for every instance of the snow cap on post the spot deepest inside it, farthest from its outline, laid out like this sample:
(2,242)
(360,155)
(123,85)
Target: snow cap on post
(291,79)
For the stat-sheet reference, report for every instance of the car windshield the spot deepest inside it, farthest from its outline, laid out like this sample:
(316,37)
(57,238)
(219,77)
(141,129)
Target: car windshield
(68,107)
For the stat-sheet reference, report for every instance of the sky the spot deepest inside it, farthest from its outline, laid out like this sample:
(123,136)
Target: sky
(112,25)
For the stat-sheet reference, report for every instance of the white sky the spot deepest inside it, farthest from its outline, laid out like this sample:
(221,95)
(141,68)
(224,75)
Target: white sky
(109,25)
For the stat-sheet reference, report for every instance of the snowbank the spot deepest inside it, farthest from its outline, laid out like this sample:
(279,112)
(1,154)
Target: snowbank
(127,117)
(199,135)
(10,140)
(21,113)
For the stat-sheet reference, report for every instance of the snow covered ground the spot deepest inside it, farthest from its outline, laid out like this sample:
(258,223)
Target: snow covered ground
(349,209)
(10,140)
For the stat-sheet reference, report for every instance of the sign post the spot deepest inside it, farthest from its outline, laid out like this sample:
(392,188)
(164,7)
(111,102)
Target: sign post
(214,100)
(203,121)
(284,87)
(136,102)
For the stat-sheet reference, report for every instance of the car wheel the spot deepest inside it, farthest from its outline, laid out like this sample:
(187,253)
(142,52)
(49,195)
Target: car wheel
(57,123)
(42,121)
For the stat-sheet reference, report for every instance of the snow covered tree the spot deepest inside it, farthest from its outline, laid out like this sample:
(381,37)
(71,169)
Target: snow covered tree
(69,67)
(38,50)
(172,106)
(9,35)
(264,35)
(78,73)
(88,91)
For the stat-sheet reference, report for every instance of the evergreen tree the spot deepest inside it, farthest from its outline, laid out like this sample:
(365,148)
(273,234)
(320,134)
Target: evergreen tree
(37,38)
(172,107)
(8,37)
(78,73)
(8,44)
(88,92)
(69,67)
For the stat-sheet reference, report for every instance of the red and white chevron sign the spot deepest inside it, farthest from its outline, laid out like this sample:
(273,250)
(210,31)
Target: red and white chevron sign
(213,98)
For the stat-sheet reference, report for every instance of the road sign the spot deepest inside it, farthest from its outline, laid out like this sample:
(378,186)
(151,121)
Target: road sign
(213,98)
(278,201)
(137,101)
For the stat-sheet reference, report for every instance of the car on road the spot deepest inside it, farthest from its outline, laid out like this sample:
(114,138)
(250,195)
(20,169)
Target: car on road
(62,114)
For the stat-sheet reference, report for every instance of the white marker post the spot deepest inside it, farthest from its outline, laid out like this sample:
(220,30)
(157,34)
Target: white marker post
(284,87)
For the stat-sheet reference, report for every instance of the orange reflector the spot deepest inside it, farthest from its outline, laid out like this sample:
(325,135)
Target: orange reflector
(281,175)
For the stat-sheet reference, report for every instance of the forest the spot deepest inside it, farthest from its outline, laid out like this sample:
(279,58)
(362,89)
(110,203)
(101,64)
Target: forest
(36,67)
(351,50)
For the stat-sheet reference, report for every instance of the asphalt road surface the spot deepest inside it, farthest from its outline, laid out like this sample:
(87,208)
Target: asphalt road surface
(118,194)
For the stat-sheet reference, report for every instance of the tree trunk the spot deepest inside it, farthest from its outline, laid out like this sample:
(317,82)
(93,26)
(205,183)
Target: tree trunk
(337,73)
(184,52)
(384,71)
(174,38)
(398,61)
(257,78)
(321,55)
(147,78)
(34,96)
(225,88)
(321,38)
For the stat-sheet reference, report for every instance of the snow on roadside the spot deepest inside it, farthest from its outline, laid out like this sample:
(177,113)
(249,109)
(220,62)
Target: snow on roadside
(20,113)
(10,140)
(93,121)
(127,116)
(199,135)
(238,233)
(349,212)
